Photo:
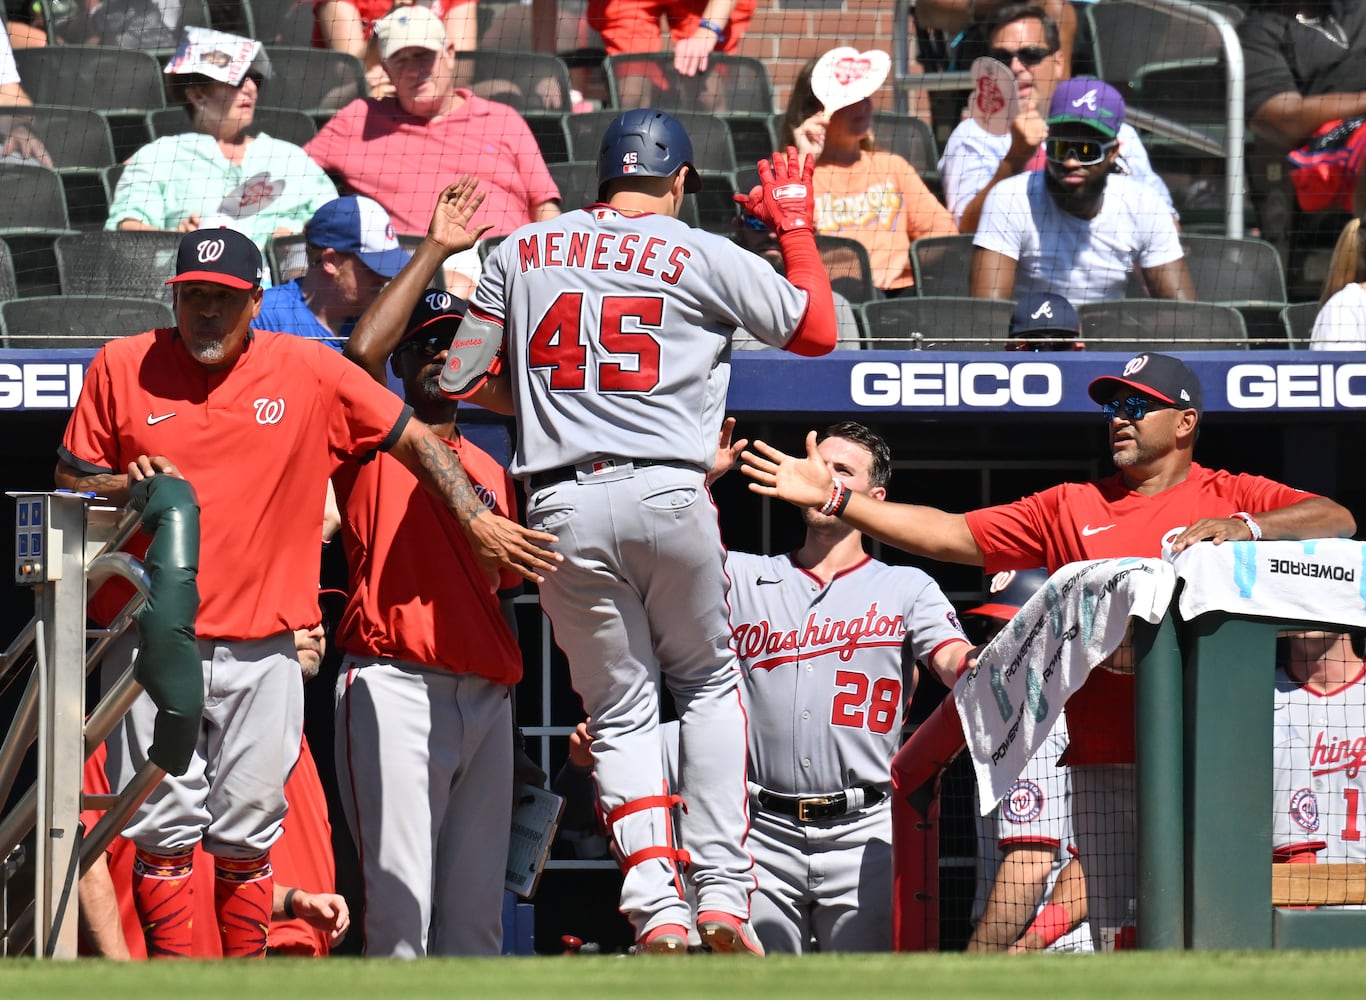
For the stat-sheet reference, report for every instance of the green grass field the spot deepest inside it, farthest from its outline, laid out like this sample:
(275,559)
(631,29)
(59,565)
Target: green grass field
(844,977)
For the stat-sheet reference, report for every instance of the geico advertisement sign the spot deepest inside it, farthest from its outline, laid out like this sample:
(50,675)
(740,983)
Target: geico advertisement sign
(1296,386)
(953,383)
(40,385)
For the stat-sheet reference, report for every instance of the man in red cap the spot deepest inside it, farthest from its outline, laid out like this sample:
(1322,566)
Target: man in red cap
(254,420)
(1152,409)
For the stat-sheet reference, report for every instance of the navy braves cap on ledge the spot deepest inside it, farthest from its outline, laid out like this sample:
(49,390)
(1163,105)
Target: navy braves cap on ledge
(221,256)
(1159,375)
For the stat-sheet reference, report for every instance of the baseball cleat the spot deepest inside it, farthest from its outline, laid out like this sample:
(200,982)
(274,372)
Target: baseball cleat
(727,934)
(666,939)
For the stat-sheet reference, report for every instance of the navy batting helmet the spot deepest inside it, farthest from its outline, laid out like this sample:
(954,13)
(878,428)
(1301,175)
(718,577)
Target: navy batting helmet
(645,143)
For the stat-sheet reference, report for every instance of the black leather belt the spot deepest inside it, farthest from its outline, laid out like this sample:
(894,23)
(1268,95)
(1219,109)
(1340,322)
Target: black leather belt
(540,480)
(815,808)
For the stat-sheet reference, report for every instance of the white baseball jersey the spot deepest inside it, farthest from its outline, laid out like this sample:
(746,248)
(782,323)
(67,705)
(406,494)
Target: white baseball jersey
(617,332)
(1321,769)
(823,679)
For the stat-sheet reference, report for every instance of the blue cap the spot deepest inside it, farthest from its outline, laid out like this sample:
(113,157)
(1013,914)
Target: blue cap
(1040,311)
(358,225)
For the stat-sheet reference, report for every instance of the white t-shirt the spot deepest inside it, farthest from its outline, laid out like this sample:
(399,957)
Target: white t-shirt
(1341,323)
(9,72)
(972,155)
(1083,260)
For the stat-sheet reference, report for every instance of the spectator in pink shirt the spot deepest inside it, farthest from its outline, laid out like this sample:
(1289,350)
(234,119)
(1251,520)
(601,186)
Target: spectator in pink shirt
(403,150)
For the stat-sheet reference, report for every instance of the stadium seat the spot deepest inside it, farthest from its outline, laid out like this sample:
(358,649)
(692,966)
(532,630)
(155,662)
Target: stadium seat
(9,284)
(942,264)
(1161,325)
(119,263)
(31,198)
(713,208)
(752,138)
(948,323)
(528,81)
(911,139)
(847,263)
(731,85)
(551,135)
(121,84)
(318,82)
(282,22)
(1298,319)
(578,183)
(82,321)
(234,16)
(279,123)
(74,137)
(710,138)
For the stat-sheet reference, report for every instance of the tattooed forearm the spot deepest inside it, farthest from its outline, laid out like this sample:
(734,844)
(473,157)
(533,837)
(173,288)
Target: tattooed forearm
(113,486)
(446,477)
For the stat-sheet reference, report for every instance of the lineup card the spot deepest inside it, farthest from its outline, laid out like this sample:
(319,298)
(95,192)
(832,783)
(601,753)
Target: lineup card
(535,818)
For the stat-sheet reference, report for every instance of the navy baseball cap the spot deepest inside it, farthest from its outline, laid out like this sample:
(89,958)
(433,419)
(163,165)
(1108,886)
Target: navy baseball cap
(358,225)
(434,310)
(1159,375)
(1010,590)
(1087,101)
(1044,312)
(220,256)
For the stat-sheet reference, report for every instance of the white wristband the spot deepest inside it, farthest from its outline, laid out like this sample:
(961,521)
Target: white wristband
(1251,523)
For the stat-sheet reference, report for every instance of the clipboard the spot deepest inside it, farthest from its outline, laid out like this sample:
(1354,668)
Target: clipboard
(535,818)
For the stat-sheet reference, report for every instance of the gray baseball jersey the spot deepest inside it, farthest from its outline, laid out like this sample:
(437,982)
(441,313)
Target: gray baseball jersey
(1320,773)
(825,691)
(824,684)
(617,333)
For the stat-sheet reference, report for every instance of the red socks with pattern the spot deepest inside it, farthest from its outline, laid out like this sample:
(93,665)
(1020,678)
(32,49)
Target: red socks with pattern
(243,893)
(163,893)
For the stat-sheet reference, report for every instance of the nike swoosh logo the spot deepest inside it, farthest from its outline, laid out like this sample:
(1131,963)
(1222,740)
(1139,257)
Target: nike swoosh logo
(1088,531)
(759,581)
(153,421)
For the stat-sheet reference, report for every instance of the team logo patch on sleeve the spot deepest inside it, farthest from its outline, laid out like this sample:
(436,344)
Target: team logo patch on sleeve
(1304,810)
(1023,803)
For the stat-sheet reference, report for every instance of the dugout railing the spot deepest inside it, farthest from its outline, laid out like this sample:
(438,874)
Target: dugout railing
(66,545)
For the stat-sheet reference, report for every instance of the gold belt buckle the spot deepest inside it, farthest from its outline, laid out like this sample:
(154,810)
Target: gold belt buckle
(816,800)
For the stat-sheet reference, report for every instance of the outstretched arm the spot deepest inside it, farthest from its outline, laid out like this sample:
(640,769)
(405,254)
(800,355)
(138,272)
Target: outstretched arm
(495,540)
(1314,517)
(381,327)
(807,482)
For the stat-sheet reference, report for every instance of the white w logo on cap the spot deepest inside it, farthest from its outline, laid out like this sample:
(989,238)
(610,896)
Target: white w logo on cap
(1088,99)
(1044,310)
(210,250)
(438,301)
(1135,365)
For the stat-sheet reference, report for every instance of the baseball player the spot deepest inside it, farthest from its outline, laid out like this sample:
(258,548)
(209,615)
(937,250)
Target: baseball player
(1151,411)
(612,327)
(1024,845)
(1320,732)
(423,702)
(828,637)
(254,420)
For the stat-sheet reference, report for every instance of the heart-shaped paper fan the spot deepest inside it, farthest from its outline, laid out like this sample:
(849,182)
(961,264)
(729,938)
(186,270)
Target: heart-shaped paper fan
(845,76)
(995,96)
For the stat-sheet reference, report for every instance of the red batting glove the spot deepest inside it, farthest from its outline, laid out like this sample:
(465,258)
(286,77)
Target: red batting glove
(784,200)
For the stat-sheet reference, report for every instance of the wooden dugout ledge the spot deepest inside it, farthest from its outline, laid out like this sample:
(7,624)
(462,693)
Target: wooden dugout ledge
(1318,885)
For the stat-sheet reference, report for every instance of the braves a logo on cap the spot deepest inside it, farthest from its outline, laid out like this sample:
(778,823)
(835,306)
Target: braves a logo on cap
(1023,802)
(1304,810)
(209,251)
(1135,365)
(1087,100)
(1044,310)
(270,411)
(438,301)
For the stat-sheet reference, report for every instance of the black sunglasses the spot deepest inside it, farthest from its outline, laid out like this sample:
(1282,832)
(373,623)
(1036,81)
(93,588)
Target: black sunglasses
(1087,152)
(1029,56)
(1134,408)
(430,346)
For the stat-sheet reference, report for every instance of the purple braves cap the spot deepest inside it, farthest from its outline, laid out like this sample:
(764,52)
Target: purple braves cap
(358,225)
(1087,101)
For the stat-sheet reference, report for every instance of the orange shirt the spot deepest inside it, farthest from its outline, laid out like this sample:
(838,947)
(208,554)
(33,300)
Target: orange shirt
(881,202)
(417,591)
(257,442)
(1107,520)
